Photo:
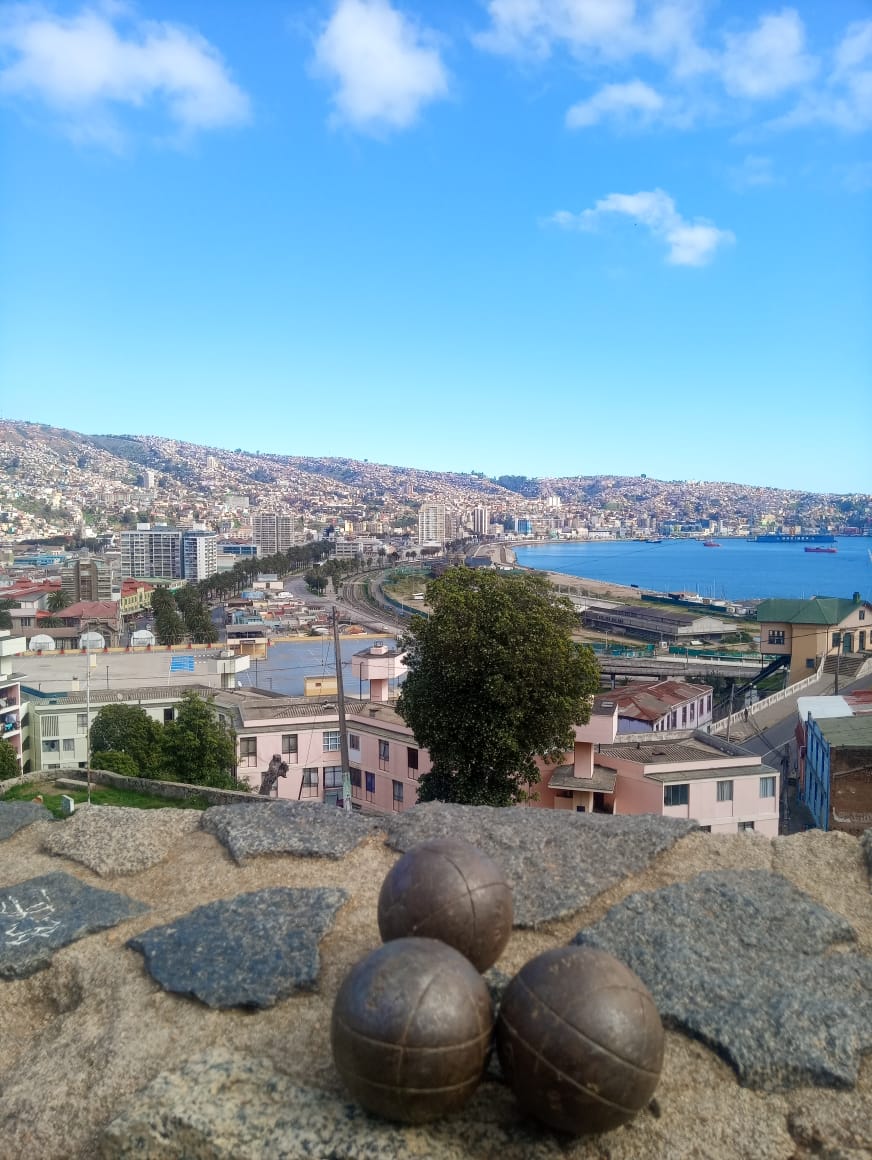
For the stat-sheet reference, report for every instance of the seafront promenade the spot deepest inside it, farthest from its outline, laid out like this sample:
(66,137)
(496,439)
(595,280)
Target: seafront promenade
(504,556)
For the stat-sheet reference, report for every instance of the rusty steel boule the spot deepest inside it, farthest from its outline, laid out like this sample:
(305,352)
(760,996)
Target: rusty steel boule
(580,1040)
(410,1031)
(449,890)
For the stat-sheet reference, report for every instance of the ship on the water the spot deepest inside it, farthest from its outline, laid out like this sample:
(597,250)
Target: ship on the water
(710,544)
(789,538)
(823,551)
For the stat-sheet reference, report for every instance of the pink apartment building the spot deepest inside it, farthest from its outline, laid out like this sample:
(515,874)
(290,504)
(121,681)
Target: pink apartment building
(659,706)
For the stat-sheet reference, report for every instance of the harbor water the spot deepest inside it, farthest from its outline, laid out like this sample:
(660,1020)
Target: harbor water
(736,570)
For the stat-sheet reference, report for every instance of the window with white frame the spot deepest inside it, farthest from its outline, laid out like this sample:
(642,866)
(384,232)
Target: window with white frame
(51,725)
(69,745)
(354,741)
(289,745)
(248,752)
(330,739)
(745,827)
(767,787)
(725,791)
(81,724)
(309,788)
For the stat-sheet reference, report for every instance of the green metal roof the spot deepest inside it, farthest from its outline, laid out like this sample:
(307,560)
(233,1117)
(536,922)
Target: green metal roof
(847,732)
(828,610)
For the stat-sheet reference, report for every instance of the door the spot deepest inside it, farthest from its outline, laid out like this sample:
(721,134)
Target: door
(861,640)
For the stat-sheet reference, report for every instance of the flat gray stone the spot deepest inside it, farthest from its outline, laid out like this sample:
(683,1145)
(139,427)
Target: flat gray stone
(744,961)
(41,915)
(556,861)
(306,829)
(223,1106)
(118,839)
(14,816)
(248,951)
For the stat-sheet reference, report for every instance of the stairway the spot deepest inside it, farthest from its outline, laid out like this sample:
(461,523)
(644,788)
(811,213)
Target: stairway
(848,665)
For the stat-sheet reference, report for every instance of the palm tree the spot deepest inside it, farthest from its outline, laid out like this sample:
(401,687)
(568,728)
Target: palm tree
(58,601)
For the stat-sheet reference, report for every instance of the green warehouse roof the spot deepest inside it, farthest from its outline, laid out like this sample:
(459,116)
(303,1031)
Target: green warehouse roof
(819,610)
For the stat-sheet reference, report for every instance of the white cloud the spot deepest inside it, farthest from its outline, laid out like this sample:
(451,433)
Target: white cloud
(385,68)
(690,243)
(845,102)
(621,101)
(768,60)
(86,66)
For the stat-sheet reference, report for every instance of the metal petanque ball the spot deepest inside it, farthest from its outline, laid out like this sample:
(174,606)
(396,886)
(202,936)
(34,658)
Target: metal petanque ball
(411,1027)
(449,890)
(580,1040)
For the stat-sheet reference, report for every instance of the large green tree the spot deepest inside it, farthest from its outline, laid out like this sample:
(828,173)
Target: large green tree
(197,748)
(495,679)
(9,766)
(128,729)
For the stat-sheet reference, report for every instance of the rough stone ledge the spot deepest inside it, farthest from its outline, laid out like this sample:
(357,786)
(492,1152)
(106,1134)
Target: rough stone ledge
(556,862)
(118,839)
(306,829)
(14,816)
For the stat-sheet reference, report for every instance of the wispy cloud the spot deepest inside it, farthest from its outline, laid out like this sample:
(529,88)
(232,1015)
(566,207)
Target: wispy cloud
(769,59)
(85,68)
(690,243)
(754,171)
(633,100)
(385,68)
(845,100)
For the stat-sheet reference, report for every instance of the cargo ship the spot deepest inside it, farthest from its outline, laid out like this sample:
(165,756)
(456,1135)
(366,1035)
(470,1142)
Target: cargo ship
(823,551)
(710,544)
(788,538)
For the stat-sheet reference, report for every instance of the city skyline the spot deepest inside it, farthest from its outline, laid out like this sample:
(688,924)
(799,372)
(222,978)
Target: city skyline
(557,239)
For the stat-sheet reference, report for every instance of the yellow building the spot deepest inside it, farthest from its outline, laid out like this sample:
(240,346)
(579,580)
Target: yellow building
(808,631)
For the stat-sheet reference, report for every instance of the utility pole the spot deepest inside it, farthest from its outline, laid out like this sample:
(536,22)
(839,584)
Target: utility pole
(730,714)
(839,636)
(88,709)
(343,736)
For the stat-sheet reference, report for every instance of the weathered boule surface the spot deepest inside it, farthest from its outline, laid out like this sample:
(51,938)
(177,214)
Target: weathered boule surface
(248,951)
(14,816)
(41,915)
(745,961)
(119,840)
(565,860)
(307,829)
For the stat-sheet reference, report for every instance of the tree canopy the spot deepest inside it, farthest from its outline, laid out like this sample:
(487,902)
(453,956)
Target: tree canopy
(128,729)
(494,680)
(197,748)
(9,766)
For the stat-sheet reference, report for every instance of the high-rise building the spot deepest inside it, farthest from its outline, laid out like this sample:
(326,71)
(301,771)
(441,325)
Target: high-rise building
(274,531)
(86,578)
(432,522)
(166,553)
(481,521)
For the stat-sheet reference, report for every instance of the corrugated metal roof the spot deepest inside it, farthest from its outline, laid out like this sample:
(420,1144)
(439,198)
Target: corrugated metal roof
(728,773)
(823,610)
(603,780)
(848,732)
(661,753)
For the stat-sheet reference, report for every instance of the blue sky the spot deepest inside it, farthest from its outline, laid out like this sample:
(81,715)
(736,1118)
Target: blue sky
(546,237)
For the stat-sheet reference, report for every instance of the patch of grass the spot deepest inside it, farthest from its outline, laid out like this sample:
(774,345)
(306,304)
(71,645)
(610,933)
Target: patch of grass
(101,795)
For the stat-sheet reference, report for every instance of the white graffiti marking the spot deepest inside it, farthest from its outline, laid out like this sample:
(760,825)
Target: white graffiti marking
(28,922)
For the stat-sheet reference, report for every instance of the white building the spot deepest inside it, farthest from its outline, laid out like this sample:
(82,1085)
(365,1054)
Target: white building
(199,554)
(432,524)
(167,553)
(275,531)
(481,521)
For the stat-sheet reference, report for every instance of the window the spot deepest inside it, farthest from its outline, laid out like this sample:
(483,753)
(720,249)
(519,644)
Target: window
(776,636)
(708,702)
(398,795)
(248,752)
(370,787)
(69,745)
(51,746)
(330,739)
(676,795)
(412,761)
(837,639)
(767,787)
(355,782)
(725,791)
(862,614)
(289,745)
(705,829)
(81,723)
(309,787)
(333,777)
(384,754)
(51,725)
(169,715)
(744,827)
(354,741)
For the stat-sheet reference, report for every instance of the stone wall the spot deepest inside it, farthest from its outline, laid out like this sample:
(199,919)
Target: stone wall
(167,980)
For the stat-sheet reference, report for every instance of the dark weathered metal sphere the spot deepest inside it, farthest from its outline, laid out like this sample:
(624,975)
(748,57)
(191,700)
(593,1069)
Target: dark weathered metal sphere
(448,889)
(580,1040)
(411,1028)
